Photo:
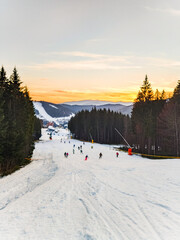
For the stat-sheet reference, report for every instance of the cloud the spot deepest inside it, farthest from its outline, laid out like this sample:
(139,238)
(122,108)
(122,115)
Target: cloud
(88,61)
(96,40)
(82,65)
(102,57)
(61,91)
(77,60)
(171,11)
(58,96)
(84,54)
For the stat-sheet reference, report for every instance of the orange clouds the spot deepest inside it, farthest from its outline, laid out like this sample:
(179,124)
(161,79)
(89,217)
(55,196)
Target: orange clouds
(60,96)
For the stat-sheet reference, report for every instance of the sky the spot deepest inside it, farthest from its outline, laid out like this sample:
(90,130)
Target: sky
(70,50)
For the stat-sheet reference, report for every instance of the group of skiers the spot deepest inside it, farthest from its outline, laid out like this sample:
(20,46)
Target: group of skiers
(81,151)
(86,157)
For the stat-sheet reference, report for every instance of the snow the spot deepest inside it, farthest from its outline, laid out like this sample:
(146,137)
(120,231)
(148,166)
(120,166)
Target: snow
(53,106)
(44,115)
(42,112)
(111,198)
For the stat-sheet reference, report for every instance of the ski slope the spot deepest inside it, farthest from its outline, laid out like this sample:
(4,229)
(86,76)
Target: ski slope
(58,198)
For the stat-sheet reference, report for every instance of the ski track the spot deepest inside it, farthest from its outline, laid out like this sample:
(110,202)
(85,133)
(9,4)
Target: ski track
(124,198)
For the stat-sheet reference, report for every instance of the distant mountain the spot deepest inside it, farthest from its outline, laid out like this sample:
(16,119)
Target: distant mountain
(96,103)
(50,112)
(61,113)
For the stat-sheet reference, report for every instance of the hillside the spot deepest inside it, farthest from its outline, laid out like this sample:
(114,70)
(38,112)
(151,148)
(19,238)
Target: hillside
(61,113)
(54,197)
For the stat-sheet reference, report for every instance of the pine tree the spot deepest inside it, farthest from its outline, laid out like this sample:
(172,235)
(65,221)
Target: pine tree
(146,109)
(15,81)
(163,95)
(16,123)
(176,101)
(3,128)
(157,95)
(176,94)
(98,125)
(3,78)
(146,92)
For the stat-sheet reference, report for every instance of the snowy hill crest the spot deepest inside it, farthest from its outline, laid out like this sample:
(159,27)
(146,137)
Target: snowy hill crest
(61,113)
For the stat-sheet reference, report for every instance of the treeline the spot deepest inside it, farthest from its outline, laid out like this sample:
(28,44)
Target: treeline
(99,125)
(156,121)
(18,125)
(154,126)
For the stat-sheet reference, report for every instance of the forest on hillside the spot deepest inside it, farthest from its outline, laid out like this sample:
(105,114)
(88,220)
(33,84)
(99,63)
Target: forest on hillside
(153,128)
(19,127)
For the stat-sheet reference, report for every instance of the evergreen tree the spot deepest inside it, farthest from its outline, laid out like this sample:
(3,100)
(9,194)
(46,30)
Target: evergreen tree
(98,125)
(3,127)
(37,128)
(17,123)
(176,94)
(163,95)
(3,78)
(144,117)
(157,95)
(146,92)
(176,101)
(15,81)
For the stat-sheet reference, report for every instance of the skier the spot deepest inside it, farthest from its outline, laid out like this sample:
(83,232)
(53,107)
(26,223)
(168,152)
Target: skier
(86,157)
(73,151)
(117,154)
(100,155)
(81,151)
(50,137)
(65,154)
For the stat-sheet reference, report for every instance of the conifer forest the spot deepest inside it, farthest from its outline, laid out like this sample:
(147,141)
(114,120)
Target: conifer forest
(19,127)
(153,128)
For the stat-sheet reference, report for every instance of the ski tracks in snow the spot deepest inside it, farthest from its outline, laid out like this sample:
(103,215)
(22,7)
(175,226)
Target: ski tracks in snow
(125,198)
(27,180)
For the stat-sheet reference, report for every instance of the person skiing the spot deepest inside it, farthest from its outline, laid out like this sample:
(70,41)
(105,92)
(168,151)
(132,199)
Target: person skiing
(117,154)
(50,137)
(86,157)
(100,155)
(73,151)
(65,154)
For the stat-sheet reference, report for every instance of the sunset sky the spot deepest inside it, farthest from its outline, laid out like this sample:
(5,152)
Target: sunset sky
(70,50)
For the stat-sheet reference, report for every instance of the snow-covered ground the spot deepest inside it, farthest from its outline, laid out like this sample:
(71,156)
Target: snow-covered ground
(58,198)
(45,116)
